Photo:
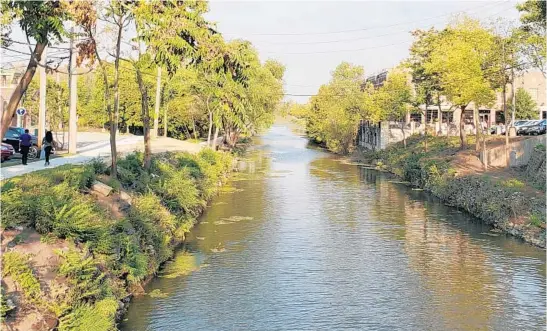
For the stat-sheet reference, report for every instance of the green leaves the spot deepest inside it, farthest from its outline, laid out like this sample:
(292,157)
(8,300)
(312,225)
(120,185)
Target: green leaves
(335,111)
(532,32)
(459,57)
(526,107)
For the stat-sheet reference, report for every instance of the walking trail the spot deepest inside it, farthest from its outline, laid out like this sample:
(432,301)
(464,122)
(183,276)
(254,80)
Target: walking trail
(102,150)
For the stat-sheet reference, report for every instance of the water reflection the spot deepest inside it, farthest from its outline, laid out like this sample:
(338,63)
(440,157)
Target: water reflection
(303,241)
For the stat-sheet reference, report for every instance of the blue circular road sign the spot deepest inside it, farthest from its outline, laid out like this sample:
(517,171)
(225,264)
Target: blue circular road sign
(21,111)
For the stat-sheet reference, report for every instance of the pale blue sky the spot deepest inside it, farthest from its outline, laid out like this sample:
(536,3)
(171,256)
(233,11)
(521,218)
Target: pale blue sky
(311,37)
(279,28)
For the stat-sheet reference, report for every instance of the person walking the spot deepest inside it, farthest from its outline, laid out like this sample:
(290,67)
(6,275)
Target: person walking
(47,145)
(25,141)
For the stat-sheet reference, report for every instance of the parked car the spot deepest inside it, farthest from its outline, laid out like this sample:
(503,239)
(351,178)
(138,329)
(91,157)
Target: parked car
(532,128)
(520,124)
(7,151)
(12,138)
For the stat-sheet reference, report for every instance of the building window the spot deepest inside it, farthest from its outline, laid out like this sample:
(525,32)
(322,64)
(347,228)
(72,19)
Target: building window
(533,93)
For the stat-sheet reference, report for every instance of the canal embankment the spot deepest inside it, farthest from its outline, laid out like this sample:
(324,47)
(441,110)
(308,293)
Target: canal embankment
(77,245)
(511,200)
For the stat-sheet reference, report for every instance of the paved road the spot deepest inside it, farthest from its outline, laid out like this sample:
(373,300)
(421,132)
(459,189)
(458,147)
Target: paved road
(101,148)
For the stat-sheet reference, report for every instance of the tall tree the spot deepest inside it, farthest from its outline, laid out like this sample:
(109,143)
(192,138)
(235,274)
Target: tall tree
(526,107)
(90,45)
(170,32)
(335,111)
(394,97)
(41,21)
(427,84)
(460,58)
(532,32)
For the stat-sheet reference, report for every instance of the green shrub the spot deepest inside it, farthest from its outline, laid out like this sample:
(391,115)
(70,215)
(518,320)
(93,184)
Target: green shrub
(85,279)
(16,266)
(98,165)
(100,316)
(70,217)
(513,183)
(537,220)
(55,201)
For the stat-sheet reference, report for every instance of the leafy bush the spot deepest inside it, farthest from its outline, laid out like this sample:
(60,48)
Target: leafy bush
(100,316)
(166,200)
(85,279)
(98,165)
(513,183)
(16,265)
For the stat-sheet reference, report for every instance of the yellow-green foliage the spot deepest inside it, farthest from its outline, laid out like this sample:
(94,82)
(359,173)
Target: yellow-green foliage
(165,202)
(85,279)
(491,200)
(99,316)
(16,266)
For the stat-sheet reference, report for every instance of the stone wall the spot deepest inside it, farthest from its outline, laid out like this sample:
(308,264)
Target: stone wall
(535,170)
(519,152)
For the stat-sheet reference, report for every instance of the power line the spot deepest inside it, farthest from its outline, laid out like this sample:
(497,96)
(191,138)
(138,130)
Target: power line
(355,50)
(485,71)
(338,50)
(362,29)
(48,46)
(496,4)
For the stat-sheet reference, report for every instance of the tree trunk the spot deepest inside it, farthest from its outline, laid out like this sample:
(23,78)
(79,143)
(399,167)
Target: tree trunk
(215,138)
(210,128)
(506,126)
(194,129)
(403,131)
(145,120)
(478,128)
(425,130)
(114,119)
(113,152)
(158,103)
(485,159)
(21,88)
(165,122)
(440,114)
(463,142)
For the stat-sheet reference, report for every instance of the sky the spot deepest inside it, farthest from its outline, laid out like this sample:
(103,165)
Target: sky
(312,37)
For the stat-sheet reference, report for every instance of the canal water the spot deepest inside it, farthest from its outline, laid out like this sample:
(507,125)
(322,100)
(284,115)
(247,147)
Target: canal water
(300,240)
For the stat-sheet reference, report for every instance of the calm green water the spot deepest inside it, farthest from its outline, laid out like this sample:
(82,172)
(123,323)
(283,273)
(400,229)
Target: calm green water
(301,241)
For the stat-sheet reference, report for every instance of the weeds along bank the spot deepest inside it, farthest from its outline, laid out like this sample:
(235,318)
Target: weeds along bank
(72,259)
(511,201)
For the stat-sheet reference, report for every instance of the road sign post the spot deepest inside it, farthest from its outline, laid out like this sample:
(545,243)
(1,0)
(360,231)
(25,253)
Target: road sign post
(20,113)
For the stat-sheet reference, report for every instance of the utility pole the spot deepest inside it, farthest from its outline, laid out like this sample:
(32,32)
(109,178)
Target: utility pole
(72,121)
(158,101)
(42,110)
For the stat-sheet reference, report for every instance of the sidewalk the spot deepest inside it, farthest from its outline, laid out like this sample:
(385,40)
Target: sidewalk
(87,153)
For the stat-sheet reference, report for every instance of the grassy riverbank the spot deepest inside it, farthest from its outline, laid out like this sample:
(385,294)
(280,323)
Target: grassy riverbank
(72,258)
(511,200)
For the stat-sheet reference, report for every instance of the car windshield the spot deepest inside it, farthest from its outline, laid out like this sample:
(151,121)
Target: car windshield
(519,123)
